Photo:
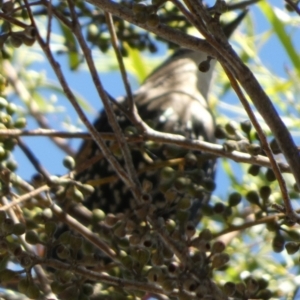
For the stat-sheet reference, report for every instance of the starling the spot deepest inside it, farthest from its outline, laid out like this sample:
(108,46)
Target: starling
(173,99)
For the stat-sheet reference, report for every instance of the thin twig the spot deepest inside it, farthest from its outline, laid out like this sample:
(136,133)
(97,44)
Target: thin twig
(29,195)
(37,268)
(155,166)
(70,95)
(225,54)
(115,44)
(152,135)
(51,133)
(57,14)
(49,12)
(263,220)
(218,150)
(60,214)
(12,20)
(240,5)
(23,93)
(132,180)
(104,278)
(184,11)
(197,10)
(288,206)
(294,5)
(83,230)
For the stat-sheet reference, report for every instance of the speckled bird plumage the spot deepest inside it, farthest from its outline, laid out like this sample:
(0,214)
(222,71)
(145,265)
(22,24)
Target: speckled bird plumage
(170,101)
(173,99)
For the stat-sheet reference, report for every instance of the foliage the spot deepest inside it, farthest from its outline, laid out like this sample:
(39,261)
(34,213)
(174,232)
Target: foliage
(246,244)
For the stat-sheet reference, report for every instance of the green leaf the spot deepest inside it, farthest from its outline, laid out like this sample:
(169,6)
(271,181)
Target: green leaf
(71,44)
(281,33)
(136,63)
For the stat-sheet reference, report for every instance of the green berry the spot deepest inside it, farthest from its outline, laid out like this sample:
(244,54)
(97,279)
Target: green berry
(20,123)
(7,6)
(167,173)
(209,184)
(69,162)
(292,247)
(77,195)
(184,203)
(218,247)
(234,199)
(204,66)
(252,197)
(141,255)
(265,192)
(23,285)
(92,32)
(230,146)
(63,276)
(219,260)
(278,243)
(19,229)
(220,132)
(272,225)
(139,8)
(86,189)
(153,20)
(270,176)
(9,144)
(230,127)
(3,103)
(219,208)
(3,153)
(15,41)
(11,165)
(32,238)
(240,287)
(181,183)
(246,126)
(98,215)
(62,252)
(205,235)
(207,210)
(254,170)
(253,149)
(88,289)
(264,294)
(65,237)
(11,108)
(170,225)
(229,288)
(33,291)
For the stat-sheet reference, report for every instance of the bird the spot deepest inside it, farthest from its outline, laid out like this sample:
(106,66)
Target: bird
(172,99)
(176,181)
